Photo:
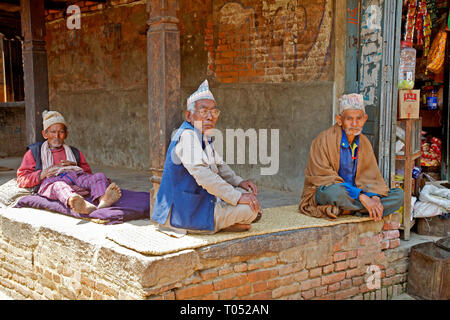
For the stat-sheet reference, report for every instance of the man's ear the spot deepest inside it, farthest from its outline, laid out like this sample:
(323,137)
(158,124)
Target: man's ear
(188,115)
(338,120)
(44,134)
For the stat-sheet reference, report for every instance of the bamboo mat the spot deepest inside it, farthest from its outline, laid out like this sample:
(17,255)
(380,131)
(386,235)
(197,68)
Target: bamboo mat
(143,236)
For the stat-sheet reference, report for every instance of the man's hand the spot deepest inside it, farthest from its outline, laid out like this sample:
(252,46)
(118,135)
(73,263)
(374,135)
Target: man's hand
(66,163)
(373,205)
(251,200)
(50,171)
(249,186)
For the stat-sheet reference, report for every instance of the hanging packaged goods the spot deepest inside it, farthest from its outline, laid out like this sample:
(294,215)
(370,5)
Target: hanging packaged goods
(435,60)
(410,21)
(421,14)
(432,10)
(426,34)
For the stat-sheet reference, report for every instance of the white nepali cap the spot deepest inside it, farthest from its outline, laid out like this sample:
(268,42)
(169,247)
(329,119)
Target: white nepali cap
(353,101)
(201,93)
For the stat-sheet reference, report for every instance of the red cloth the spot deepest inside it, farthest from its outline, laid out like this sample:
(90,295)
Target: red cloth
(28,178)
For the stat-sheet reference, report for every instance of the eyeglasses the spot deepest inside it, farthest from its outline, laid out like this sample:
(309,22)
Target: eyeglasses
(204,112)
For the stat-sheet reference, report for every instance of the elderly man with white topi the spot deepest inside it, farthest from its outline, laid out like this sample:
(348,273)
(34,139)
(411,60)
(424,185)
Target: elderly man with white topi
(199,192)
(342,174)
(60,172)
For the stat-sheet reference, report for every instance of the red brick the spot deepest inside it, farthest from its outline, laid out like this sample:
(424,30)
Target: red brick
(285,290)
(262,275)
(394,243)
(228,294)
(194,291)
(352,254)
(259,286)
(321,291)
(391,226)
(329,268)
(289,268)
(332,278)
(339,266)
(339,256)
(311,283)
(209,274)
(334,287)
(391,234)
(302,275)
(353,263)
(316,272)
(240,267)
(336,247)
(229,282)
(384,244)
(357,281)
(244,290)
(308,294)
(371,240)
(355,272)
(390,272)
(347,293)
(346,283)
(266,295)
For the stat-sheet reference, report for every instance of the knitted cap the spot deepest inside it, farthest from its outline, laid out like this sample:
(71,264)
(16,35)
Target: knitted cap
(52,117)
(353,101)
(201,93)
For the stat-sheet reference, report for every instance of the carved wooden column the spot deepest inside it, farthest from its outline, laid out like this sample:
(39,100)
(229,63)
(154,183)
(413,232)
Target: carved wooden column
(35,66)
(163,57)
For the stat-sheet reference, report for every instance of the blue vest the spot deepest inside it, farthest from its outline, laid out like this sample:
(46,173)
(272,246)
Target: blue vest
(192,206)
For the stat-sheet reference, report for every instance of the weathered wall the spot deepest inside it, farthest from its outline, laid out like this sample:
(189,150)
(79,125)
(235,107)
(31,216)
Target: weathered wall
(72,261)
(12,131)
(270,66)
(98,80)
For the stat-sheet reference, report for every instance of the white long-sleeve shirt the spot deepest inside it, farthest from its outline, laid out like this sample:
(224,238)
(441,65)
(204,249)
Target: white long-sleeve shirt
(208,168)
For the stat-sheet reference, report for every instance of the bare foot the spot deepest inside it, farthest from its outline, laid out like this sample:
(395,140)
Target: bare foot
(111,196)
(79,205)
(237,227)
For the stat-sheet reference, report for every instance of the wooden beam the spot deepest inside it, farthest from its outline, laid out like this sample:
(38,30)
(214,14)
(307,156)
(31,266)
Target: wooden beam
(35,66)
(163,57)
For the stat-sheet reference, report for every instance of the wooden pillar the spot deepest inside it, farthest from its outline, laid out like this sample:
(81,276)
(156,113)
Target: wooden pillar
(163,57)
(35,66)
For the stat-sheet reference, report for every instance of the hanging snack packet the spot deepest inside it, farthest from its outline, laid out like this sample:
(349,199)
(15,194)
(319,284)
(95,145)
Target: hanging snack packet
(435,61)
(410,21)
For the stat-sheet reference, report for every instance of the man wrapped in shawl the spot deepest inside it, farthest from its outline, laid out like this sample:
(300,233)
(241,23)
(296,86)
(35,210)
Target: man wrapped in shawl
(342,174)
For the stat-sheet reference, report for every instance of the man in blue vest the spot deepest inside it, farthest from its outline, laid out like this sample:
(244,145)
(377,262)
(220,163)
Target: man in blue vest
(199,192)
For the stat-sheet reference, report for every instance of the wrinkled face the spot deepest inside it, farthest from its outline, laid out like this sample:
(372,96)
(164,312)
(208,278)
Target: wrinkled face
(205,116)
(352,121)
(55,135)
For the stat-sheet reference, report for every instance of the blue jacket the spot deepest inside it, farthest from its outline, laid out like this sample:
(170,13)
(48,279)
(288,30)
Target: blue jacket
(192,206)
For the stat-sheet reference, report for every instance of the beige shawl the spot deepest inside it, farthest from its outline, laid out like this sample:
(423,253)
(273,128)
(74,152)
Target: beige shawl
(323,165)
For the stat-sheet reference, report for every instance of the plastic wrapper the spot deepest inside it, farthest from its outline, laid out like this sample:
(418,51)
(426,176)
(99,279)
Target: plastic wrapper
(436,195)
(410,21)
(435,61)
(426,34)
(426,209)
(421,14)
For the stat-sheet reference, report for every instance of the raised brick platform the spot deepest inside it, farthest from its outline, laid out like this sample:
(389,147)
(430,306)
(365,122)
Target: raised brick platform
(51,256)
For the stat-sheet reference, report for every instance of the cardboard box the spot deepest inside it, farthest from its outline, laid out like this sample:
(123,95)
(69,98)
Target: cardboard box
(408,104)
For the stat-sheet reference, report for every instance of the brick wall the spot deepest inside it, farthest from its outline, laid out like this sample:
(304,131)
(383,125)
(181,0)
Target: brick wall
(38,262)
(324,271)
(261,41)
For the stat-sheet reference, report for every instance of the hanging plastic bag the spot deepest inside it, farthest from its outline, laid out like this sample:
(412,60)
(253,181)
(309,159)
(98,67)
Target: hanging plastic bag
(435,61)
